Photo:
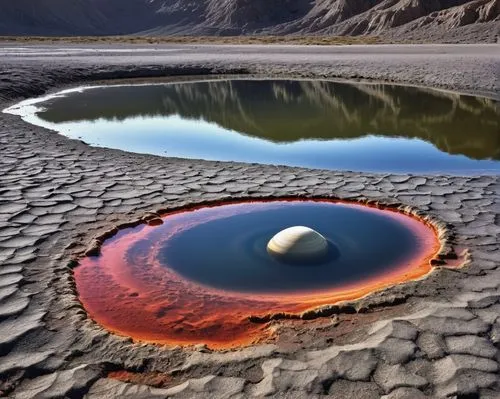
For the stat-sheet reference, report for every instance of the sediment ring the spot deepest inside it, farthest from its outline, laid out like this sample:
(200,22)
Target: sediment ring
(203,274)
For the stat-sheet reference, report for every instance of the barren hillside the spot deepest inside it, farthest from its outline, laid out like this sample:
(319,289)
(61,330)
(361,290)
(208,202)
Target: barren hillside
(433,20)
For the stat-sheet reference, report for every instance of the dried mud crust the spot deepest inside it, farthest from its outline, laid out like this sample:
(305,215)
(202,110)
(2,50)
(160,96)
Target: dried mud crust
(437,337)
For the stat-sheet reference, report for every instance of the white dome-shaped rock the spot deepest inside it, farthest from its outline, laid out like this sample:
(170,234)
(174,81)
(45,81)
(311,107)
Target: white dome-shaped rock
(298,243)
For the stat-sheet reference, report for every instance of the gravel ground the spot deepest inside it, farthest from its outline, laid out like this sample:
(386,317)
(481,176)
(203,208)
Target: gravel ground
(438,337)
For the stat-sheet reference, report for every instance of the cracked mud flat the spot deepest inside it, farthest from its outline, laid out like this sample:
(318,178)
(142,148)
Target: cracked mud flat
(438,337)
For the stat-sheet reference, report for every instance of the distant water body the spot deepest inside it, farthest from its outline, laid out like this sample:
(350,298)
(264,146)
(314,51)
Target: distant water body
(307,123)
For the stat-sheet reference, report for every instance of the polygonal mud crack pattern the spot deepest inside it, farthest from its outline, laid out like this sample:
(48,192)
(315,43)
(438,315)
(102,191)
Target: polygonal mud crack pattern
(77,204)
(56,195)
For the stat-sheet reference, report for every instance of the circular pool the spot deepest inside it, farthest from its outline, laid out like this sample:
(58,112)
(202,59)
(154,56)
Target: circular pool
(204,273)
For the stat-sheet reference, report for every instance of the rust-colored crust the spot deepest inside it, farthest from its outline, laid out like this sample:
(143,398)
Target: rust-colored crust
(154,304)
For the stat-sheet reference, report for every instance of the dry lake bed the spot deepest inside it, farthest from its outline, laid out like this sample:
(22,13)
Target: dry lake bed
(64,198)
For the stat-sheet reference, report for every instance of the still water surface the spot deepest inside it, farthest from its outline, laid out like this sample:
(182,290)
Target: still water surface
(228,251)
(317,124)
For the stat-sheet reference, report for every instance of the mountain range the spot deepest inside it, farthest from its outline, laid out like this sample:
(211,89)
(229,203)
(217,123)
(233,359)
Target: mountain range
(444,20)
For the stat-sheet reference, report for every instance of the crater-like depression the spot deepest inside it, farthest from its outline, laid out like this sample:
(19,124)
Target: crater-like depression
(206,274)
(308,123)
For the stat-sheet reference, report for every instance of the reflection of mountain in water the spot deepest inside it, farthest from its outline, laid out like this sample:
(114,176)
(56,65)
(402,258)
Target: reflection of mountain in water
(285,111)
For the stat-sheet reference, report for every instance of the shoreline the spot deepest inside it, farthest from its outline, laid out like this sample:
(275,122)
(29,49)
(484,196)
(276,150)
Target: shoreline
(281,60)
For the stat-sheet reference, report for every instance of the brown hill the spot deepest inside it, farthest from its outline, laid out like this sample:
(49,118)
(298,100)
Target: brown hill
(447,20)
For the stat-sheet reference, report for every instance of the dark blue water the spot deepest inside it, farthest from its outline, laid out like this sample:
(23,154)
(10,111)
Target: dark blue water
(229,252)
(316,124)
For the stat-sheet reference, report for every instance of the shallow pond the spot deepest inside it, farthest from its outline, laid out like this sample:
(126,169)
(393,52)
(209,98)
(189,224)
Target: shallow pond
(309,123)
(203,274)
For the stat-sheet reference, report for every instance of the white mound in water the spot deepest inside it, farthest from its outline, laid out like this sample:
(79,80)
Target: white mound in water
(298,243)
